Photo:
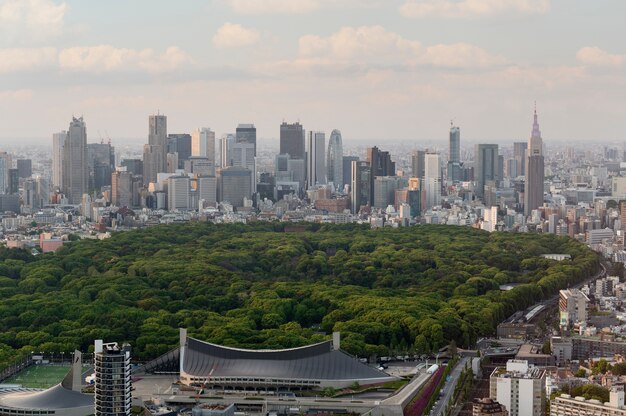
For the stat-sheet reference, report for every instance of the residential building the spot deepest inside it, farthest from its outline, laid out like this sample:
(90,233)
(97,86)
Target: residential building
(566,405)
(519,387)
(488,407)
(454,158)
(572,307)
(113,379)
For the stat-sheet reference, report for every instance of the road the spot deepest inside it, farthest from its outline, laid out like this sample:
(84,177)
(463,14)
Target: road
(448,387)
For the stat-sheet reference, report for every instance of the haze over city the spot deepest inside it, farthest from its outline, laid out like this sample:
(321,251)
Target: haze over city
(378,70)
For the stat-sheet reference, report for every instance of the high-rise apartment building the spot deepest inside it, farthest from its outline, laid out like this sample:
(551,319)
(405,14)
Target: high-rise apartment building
(203,143)
(431,184)
(533,188)
(292,140)
(334,160)
(75,172)
(486,167)
(454,159)
(58,140)
(246,133)
(519,387)
(113,382)
(316,164)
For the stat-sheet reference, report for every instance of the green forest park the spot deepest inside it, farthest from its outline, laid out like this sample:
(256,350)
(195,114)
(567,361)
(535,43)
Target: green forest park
(264,286)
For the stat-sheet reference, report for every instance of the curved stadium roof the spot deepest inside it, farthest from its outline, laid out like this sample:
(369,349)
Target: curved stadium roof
(313,362)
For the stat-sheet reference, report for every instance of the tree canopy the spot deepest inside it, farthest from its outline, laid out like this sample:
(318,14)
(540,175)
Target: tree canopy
(401,290)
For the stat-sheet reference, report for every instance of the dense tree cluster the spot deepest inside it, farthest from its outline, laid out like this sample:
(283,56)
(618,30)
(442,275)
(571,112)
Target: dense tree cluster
(387,290)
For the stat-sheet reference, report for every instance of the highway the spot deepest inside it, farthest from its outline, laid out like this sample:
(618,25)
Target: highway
(448,387)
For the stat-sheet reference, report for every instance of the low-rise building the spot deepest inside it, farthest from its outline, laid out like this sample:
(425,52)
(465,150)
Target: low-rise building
(566,405)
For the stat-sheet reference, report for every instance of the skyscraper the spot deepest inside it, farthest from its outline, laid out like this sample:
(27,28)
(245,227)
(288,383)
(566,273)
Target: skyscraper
(486,167)
(226,143)
(533,189)
(316,165)
(181,144)
(75,173)
(5,165)
(292,140)
(178,188)
(380,165)
(25,168)
(454,160)
(242,155)
(58,140)
(155,152)
(360,185)
(417,163)
(113,383)
(347,169)
(122,188)
(431,189)
(233,185)
(203,143)
(334,159)
(246,133)
(519,154)
(100,164)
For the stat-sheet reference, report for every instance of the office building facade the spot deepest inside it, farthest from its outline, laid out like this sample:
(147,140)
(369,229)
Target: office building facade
(533,188)
(75,171)
(316,158)
(454,158)
(486,162)
(292,140)
(334,160)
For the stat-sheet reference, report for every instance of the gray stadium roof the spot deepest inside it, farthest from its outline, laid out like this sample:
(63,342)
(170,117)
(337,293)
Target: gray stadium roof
(315,362)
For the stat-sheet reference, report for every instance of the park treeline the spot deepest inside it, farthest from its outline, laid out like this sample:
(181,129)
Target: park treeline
(276,285)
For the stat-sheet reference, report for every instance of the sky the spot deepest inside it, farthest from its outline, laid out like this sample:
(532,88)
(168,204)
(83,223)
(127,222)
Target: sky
(385,70)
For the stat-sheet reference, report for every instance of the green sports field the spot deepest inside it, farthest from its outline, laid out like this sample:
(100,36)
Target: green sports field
(39,376)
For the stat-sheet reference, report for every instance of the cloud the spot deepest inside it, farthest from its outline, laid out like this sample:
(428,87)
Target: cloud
(471,8)
(595,56)
(360,49)
(232,35)
(274,6)
(107,58)
(26,59)
(32,20)
(12,96)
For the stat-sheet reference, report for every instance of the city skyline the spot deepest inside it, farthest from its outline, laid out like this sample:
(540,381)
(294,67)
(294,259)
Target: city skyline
(376,70)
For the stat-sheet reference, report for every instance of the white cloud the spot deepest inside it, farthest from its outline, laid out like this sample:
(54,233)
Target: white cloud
(26,59)
(232,35)
(360,49)
(471,8)
(12,96)
(273,6)
(32,20)
(597,57)
(106,58)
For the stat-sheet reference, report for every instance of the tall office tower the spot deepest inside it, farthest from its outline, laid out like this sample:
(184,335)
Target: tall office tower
(233,185)
(75,172)
(292,140)
(5,165)
(199,166)
(431,188)
(242,155)
(418,163)
(519,154)
(58,140)
(155,152)
(533,189)
(181,144)
(25,168)
(203,143)
(172,163)
(246,133)
(347,169)
(113,383)
(334,160)
(385,191)
(360,188)
(226,143)
(122,188)
(135,166)
(380,165)
(13,186)
(100,164)
(519,387)
(206,189)
(178,188)
(316,165)
(454,160)
(486,167)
